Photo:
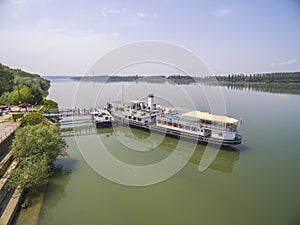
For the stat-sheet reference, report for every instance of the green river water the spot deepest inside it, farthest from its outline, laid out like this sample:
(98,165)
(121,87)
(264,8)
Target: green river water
(257,182)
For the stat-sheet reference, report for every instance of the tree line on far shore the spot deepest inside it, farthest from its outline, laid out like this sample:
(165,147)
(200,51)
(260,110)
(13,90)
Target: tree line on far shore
(278,77)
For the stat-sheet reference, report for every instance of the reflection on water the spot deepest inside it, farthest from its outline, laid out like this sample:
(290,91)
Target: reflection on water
(282,88)
(59,182)
(224,161)
(271,88)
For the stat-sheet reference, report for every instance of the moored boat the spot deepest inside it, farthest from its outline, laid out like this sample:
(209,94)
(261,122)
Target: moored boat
(196,125)
(201,126)
(103,119)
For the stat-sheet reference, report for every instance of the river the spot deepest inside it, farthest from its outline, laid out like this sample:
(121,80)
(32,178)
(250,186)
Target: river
(257,182)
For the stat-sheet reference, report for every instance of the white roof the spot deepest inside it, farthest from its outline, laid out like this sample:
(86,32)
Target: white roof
(136,101)
(210,117)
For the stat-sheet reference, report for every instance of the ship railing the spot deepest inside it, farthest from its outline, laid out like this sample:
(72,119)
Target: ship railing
(194,124)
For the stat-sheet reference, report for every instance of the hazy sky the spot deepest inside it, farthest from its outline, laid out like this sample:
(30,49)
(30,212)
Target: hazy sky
(53,37)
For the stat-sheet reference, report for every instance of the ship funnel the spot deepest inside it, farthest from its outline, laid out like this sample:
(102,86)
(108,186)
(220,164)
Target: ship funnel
(150,101)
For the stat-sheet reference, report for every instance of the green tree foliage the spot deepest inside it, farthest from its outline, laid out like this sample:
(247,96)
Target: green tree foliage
(29,174)
(14,98)
(35,147)
(6,81)
(23,95)
(284,77)
(14,80)
(33,119)
(49,105)
(179,79)
(5,98)
(37,86)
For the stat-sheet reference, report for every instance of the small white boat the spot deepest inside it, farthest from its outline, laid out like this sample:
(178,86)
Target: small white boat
(103,119)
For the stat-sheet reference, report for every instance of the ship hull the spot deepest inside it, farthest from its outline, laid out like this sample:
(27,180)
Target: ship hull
(103,124)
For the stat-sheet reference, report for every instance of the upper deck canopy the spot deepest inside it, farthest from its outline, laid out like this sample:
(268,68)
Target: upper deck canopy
(136,101)
(210,117)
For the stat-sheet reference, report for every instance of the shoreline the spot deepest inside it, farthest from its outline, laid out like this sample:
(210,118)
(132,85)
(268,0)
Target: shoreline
(30,215)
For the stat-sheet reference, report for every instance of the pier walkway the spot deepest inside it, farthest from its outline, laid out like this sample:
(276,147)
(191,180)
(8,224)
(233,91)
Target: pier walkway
(71,112)
(9,200)
(6,129)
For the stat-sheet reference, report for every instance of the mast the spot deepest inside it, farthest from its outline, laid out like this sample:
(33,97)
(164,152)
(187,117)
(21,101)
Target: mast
(122,93)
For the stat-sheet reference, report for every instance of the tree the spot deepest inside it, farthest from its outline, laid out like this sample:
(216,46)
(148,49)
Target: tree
(14,80)
(33,119)
(29,174)
(14,98)
(6,81)
(25,95)
(49,105)
(35,147)
(5,98)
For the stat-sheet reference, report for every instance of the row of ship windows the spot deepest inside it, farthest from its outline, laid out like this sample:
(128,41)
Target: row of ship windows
(195,121)
(178,125)
(231,127)
(134,118)
(192,128)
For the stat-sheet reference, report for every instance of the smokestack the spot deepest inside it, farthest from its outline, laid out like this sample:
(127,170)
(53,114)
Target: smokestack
(150,101)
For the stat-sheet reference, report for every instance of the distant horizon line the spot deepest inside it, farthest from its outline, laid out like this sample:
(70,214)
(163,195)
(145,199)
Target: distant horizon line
(167,75)
(215,74)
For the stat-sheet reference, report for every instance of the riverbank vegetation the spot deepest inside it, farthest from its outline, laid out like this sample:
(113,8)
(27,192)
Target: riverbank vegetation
(36,145)
(49,105)
(19,86)
(34,118)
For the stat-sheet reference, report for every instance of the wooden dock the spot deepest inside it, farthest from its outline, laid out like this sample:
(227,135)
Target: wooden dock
(71,112)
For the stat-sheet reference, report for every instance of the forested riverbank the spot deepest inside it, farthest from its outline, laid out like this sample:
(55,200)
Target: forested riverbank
(18,86)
